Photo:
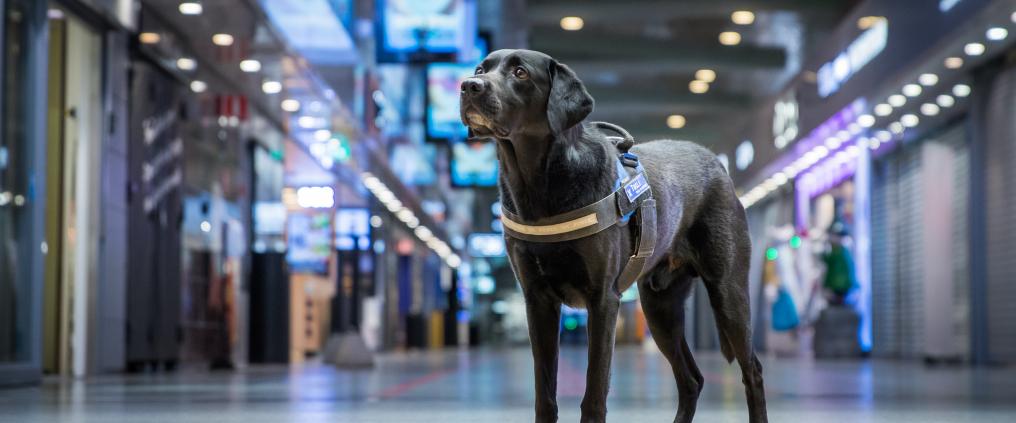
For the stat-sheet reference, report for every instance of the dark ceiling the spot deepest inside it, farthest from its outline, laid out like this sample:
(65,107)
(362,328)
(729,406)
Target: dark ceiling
(637,57)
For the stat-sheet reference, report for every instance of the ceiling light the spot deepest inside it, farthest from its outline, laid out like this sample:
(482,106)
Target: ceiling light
(730,38)
(271,87)
(707,75)
(911,90)
(742,17)
(874,143)
(929,109)
(928,79)
(250,65)
(883,109)
(996,33)
(884,136)
(572,23)
(953,62)
(290,105)
(322,135)
(198,86)
(186,64)
(974,49)
(1012,17)
(866,22)
(896,127)
(191,8)
(897,100)
(961,90)
(222,40)
(945,100)
(149,37)
(676,121)
(909,120)
(698,87)
(866,121)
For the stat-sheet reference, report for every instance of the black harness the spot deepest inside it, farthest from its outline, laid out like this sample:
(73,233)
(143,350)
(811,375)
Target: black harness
(632,198)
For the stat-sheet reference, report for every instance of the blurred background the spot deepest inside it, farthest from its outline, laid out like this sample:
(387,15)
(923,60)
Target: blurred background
(264,195)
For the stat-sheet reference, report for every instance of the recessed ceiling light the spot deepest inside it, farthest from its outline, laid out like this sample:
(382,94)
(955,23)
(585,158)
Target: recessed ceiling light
(198,86)
(897,127)
(742,17)
(250,65)
(698,87)
(953,62)
(191,8)
(290,105)
(676,121)
(961,90)
(996,33)
(945,100)
(707,75)
(149,37)
(897,100)
(730,38)
(572,23)
(974,49)
(928,79)
(883,109)
(909,120)
(271,87)
(912,90)
(222,40)
(186,64)
(866,121)
(929,109)
(866,22)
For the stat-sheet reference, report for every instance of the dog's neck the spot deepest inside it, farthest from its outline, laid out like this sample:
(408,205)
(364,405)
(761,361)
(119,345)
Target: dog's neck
(548,175)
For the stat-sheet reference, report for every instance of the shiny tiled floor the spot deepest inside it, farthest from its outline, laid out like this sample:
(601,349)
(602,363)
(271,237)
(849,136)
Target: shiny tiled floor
(495,386)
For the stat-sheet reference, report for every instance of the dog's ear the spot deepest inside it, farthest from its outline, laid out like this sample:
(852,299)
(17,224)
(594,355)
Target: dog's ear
(569,102)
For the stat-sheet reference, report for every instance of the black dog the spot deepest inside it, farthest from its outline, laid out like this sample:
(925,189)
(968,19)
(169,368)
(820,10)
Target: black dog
(552,163)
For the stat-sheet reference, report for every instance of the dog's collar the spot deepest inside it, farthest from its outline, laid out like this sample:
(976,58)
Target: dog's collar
(614,209)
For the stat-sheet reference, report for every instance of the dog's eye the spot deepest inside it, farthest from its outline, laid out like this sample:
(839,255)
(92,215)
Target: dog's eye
(479,70)
(520,73)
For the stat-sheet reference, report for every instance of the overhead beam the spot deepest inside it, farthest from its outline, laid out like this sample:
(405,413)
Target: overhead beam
(637,51)
(614,12)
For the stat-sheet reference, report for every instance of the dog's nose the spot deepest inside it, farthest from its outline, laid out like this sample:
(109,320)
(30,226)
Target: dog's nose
(473,86)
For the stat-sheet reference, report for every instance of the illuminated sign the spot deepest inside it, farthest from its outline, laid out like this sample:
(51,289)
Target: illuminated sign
(785,115)
(833,74)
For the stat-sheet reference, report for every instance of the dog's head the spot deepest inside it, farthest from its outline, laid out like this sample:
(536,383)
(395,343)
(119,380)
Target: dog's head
(522,92)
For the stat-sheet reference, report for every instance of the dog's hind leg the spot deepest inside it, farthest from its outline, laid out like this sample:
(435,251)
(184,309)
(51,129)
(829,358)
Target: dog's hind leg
(727,258)
(665,314)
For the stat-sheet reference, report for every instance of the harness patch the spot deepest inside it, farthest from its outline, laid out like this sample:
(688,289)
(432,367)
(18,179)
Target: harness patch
(636,187)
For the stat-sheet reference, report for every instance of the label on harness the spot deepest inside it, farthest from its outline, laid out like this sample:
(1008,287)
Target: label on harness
(636,187)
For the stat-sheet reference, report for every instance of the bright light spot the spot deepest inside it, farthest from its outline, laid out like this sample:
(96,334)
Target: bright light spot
(315,197)
(698,87)
(772,254)
(883,109)
(376,221)
(250,65)
(149,38)
(909,120)
(290,105)
(912,90)
(866,22)
(198,86)
(996,33)
(310,122)
(271,87)
(795,242)
(866,121)
(186,64)
(833,143)
(676,121)
(222,40)
(929,109)
(742,17)
(730,38)
(945,100)
(206,226)
(974,49)
(896,127)
(707,75)
(884,136)
(322,135)
(897,100)
(572,23)
(191,8)
(953,62)
(454,262)
(961,90)
(928,79)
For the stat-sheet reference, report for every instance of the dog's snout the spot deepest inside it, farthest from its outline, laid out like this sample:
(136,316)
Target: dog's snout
(474,86)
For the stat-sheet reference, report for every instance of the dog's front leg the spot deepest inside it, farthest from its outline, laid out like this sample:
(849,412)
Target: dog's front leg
(602,319)
(544,317)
